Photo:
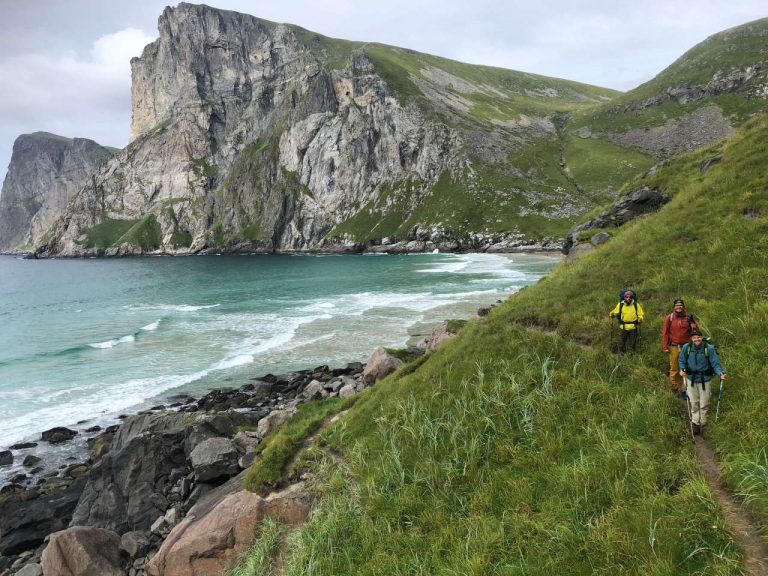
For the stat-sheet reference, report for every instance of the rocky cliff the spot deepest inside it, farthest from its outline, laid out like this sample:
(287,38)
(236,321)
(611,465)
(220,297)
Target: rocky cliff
(254,136)
(44,173)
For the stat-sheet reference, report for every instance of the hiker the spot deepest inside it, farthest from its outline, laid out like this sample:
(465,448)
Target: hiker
(630,315)
(678,326)
(698,362)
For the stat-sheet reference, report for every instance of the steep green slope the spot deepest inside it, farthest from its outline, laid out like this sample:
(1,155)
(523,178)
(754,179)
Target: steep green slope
(524,446)
(728,70)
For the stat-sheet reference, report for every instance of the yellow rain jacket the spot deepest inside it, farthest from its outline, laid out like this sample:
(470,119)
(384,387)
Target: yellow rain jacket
(628,320)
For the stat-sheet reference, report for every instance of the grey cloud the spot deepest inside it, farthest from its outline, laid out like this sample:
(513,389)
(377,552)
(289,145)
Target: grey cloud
(616,43)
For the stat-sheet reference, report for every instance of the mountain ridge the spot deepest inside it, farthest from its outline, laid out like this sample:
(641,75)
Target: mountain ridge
(278,139)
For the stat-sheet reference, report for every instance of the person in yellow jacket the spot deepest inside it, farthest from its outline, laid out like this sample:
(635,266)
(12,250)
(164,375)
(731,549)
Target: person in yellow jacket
(630,315)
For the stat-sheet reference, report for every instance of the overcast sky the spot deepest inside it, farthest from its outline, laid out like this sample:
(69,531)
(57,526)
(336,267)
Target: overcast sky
(64,64)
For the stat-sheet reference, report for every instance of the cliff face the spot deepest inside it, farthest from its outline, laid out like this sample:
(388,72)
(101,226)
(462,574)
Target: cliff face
(250,135)
(44,173)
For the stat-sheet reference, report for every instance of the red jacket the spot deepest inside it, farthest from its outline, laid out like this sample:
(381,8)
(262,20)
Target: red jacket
(677,329)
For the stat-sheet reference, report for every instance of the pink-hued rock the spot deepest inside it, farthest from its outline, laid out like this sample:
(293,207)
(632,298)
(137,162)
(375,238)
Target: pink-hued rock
(83,551)
(379,365)
(440,334)
(213,536)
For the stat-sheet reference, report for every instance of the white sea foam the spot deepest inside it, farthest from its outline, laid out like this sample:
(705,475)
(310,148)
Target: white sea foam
(170,307)
(68,406)
(115,342)
(447,267)
(151,327)
(187,308)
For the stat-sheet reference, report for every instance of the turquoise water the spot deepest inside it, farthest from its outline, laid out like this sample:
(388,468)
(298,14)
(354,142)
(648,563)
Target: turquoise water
(90,339)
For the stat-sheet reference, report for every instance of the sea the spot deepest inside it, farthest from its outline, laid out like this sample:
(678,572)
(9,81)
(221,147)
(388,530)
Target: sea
(83,341)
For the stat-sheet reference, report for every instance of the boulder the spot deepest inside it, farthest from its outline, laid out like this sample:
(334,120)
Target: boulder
(246,440)
(348,390)
(380,364)
(272,421)
(23,445)
(217,530)
(58,435)
(314,391)
(214,459)
(31,460)
(440,335)
(135,544)
(600,238)
(83,551)
(32,569)
(6,458)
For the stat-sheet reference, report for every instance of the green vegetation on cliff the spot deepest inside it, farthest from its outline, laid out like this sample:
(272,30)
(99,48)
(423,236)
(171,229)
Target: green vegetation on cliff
(728,69)
(524,446)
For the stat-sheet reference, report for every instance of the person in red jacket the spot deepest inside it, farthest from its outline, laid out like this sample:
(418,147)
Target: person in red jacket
(678,326)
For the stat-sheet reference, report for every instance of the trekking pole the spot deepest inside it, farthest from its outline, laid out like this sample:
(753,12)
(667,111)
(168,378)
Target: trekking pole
(719,397)
(610,319)
(690,411)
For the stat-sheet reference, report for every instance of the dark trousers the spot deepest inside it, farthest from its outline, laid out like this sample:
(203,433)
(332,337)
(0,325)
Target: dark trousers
(627,335)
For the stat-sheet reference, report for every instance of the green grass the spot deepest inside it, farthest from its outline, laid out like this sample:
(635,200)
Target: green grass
(145,233)
(524,446)
(496,93)
(486,200)
(259,560)
(107,232)
(734,49)
(281,446)
(599,166)
(454,325)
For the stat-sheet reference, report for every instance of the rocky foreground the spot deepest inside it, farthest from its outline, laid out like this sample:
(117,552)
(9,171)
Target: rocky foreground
(161,493)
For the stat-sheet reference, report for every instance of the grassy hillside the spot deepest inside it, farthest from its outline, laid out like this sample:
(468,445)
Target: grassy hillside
(707,65)
(524,446)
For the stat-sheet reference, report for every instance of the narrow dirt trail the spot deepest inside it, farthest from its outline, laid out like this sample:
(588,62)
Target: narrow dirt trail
(747,537)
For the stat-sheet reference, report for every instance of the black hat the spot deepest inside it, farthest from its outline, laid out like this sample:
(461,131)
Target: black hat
(680,300)
(695,333)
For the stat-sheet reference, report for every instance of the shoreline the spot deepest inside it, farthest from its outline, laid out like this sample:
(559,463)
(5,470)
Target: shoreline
(36,459)
(545,247)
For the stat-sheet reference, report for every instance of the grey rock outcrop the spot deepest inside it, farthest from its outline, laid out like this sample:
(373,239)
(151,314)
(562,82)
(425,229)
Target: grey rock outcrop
(214,458)
(125,488)
(639,202)
(44,173)
(24,525)
(700,128)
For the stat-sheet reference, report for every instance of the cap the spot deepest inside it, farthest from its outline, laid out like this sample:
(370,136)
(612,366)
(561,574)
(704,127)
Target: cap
(695,333)
(678,301)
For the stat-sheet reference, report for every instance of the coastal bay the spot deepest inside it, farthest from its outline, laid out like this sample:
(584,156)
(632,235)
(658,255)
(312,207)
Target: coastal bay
(84,341)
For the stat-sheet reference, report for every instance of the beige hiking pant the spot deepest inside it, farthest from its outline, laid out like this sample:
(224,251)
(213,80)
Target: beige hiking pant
(699,400)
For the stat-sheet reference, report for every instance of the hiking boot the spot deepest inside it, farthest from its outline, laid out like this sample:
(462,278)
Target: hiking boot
(696,429)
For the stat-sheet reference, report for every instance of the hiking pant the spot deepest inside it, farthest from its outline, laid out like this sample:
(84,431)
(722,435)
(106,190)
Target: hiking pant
(625,335)
(699,394)
(675,380)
